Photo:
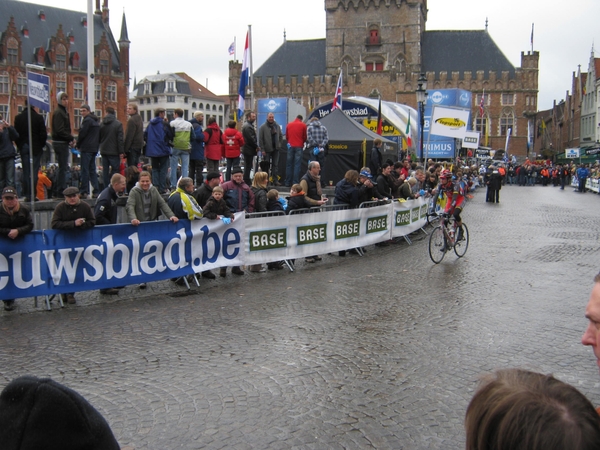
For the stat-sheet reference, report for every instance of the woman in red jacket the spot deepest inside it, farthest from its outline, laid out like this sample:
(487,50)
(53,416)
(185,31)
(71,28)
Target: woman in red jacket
(213,149)
(232,142)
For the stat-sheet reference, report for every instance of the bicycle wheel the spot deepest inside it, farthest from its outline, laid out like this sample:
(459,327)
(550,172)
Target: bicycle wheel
(460,247)
(437,245)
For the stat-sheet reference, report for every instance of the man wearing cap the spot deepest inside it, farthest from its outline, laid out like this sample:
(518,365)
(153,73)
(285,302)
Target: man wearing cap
(158,134)
(72,214)
(367,190)
(61,139)
(7,154)
(15,221)
(203,193)
(39,135)
(134,137)
(88,141)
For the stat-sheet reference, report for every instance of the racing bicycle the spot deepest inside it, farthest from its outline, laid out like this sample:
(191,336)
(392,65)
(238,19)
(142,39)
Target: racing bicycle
(443,238)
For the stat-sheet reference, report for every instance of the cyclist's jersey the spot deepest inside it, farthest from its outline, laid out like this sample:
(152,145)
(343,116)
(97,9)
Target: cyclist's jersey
(455,194)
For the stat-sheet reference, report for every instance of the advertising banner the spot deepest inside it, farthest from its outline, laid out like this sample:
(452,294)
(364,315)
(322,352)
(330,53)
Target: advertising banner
(55,261)
(449,122)
(471,140)
(408,216)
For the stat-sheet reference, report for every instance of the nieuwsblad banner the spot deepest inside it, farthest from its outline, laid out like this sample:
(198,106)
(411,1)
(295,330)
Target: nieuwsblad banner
(54,261)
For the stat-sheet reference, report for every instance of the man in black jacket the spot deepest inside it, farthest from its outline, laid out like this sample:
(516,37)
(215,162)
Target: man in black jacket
(61,139)
(111,144)
(87,143)
(250,148)
(15,221)
(38,137)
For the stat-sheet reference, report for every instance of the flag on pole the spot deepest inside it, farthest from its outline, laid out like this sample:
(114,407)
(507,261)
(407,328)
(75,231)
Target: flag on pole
(243,81)
(232,48)
(337,100)
(379,119)
(481,110)
(408,134)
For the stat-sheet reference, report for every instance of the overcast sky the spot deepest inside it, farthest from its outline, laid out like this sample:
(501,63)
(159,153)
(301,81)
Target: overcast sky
(193,36)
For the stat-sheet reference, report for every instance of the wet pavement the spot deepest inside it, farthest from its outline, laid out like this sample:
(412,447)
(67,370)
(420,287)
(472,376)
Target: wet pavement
(382,351)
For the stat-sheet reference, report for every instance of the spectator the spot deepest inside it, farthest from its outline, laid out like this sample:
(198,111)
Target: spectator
(132,175)
(259,189)
(157,136)
(145,203)
(8,135)
(213,147)
(39,413)
(61,140)
(271,139)
(43,186)
(203,193)
(15,221)
(38,137)
(274,202)
(232,143)
(250,148)
(197,158)
(239,197)
(296,136)
(385,181)
(134,137)
(183,135)
(182,202)
(346,192)
(111,144)
(519,409)
(311,184)
(376,161)
(296,201)
(318,139)
(72,214)
(88,142)
(216,208)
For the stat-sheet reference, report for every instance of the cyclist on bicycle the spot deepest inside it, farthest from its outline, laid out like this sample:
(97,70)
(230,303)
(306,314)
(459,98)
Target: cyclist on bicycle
(455,198)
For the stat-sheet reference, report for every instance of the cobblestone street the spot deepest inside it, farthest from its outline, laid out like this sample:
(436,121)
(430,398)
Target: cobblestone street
(376,352)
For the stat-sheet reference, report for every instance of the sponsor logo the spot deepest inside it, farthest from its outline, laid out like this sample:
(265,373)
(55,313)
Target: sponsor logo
(312,234)
(437,97)
(402,218)
(268,239)
(272,105)
(347,229)
(376,224)
(452,123)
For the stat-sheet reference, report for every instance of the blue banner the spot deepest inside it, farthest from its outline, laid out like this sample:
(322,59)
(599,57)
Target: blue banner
(440,147)
(38,88)
(55,261)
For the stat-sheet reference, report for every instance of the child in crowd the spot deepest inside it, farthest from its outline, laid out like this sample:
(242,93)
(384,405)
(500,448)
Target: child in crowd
(274,203)
(297,199)
(216,207)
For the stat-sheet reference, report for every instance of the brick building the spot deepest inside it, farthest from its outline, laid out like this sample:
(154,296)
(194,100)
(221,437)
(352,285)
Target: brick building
(384,46)
(57,39)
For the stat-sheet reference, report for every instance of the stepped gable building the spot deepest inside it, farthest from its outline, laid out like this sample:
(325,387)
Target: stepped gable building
(57,39)
(176,90)
(382,46)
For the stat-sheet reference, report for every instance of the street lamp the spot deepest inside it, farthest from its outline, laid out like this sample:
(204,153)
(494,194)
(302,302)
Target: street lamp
(421,99)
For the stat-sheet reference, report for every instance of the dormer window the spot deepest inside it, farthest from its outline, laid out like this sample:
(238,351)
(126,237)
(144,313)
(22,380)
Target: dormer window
(25,30)
(42,15)
(61,57)
(75,60)
(170,86)
(84,21)
(147,88)
(71,37)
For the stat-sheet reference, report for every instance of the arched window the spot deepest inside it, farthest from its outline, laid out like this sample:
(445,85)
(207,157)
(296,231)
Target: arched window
(507,122)
(194,105)
(208,107)
(221,108)
(483,125)
(201,106)
(214,107)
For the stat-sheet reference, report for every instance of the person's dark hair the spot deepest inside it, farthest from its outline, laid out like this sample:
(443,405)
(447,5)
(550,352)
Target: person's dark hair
(231,124)
(517,409)
(159,111)
(384,166)
(211,119)
(597,278)
(299,116)
(110,110)
(398,165)
(178,111)
(248,114)
(131,173)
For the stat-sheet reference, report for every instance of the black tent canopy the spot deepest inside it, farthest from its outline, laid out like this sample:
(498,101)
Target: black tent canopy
(346,137)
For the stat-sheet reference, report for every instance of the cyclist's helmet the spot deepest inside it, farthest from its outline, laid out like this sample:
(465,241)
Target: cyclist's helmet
(445,175)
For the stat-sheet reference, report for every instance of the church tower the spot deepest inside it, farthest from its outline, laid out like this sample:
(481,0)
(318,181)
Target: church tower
(377,43)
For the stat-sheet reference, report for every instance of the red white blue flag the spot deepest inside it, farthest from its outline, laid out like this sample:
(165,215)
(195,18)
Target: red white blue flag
(337,100)
(232,48)
(243,80)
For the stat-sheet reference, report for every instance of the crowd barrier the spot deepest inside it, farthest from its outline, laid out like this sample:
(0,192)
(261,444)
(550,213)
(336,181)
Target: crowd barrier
(47,262)
(592,184)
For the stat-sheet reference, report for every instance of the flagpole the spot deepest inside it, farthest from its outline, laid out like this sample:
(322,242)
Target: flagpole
(234,49)
(250,72)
